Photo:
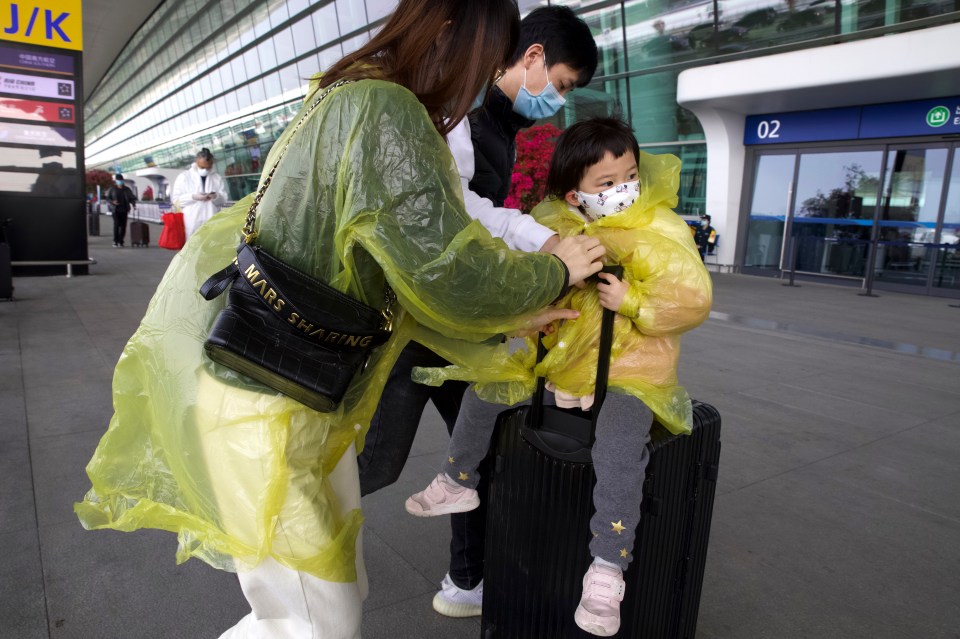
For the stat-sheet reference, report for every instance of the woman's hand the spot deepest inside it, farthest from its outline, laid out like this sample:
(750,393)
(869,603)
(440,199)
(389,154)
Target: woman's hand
(612,291)
(550,244)
(543,321)
(581,254)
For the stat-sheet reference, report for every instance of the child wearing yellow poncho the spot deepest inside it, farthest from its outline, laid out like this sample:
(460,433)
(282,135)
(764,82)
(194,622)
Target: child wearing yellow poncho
(601,185)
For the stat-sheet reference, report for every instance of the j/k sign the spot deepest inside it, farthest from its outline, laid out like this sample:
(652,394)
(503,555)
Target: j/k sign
(49,23)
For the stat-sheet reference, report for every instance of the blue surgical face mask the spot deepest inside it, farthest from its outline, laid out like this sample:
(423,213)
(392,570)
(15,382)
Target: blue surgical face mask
(119,182)
(535,107)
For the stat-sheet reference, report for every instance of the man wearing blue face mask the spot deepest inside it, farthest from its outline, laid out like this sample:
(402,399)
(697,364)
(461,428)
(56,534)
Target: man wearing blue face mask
(556,54)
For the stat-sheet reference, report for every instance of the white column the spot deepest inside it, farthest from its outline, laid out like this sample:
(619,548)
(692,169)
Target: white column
(725,165)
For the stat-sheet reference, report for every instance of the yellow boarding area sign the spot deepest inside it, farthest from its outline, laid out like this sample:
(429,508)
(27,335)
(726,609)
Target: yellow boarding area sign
(48,23)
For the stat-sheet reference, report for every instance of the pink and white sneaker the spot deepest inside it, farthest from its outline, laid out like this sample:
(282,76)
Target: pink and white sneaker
(442,497)
(599,609)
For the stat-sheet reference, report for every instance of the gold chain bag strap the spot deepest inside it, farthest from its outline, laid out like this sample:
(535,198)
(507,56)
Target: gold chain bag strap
(286,329)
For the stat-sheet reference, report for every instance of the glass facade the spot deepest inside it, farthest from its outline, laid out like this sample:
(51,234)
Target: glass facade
(227,74)
(890,212)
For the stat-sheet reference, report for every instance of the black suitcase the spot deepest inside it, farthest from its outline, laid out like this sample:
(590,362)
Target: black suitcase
(6,272)
(538,513)
(93,224)
(6,269)
(139,233)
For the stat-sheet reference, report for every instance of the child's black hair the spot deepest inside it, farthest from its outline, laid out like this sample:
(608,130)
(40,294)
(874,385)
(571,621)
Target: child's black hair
(566,39)
(583,145)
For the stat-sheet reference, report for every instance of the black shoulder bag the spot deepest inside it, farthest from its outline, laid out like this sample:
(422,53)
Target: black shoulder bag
(287,330)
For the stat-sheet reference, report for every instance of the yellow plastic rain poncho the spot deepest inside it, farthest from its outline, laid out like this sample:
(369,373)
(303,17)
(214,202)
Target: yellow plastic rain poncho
(670,293)
(367,187)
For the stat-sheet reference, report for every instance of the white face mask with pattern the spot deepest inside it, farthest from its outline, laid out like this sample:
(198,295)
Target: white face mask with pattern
(610,202)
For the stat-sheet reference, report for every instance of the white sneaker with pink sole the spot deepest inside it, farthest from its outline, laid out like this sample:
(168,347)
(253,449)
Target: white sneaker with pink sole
(599,609)
(442,497)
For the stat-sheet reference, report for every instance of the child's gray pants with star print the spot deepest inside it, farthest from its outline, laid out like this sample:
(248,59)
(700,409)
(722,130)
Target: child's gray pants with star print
(620,459)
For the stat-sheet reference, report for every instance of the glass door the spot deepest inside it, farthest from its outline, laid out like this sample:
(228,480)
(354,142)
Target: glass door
(836,199)
(946,272)
(907,221)
(769,207)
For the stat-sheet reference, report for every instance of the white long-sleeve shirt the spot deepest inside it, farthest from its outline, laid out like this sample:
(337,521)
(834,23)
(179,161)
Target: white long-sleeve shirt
(519,231)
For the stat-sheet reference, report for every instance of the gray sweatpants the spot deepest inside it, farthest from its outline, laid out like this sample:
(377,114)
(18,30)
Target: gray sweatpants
(620,459)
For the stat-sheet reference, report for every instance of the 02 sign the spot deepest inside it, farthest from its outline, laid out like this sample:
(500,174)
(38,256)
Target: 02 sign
(768,129)
(48,23)
(802,126)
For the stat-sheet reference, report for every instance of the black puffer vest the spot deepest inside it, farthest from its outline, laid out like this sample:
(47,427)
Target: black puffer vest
(494,129)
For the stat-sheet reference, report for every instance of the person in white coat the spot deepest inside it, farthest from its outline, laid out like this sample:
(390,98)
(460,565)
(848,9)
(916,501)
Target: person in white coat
(199,192)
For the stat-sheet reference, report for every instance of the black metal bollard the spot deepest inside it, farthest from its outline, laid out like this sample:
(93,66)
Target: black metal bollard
(793,261)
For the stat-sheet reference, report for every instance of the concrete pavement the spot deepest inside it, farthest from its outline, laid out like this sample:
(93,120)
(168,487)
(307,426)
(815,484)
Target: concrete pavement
(837,512)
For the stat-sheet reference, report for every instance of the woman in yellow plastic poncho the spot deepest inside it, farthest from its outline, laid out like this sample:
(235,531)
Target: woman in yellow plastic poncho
(366,195)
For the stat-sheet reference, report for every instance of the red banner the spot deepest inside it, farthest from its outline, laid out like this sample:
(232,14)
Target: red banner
(35,111)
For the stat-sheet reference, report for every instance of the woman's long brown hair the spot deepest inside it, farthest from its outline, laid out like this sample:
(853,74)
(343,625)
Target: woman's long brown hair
(444,51)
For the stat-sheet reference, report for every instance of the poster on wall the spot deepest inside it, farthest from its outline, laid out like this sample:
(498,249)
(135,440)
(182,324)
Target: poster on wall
(17,133)
(36,111)
(21,60)
(41,134)
(37,158)
(39,119)
(36,86)
(49,183)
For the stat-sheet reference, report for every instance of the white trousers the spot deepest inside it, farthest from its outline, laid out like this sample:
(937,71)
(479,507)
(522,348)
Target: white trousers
(287,604)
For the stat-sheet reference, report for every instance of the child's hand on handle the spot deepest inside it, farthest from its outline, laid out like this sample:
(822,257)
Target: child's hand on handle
(612,291)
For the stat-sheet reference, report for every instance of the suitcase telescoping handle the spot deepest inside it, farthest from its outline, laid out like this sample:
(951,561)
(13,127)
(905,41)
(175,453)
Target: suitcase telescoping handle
(554,440)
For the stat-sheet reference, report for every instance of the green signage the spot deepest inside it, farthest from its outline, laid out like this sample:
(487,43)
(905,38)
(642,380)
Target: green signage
(938,116)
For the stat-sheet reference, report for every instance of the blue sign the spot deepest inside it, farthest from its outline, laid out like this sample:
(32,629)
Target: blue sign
(901,119)
(803,126)
(898,119)
(23,60)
